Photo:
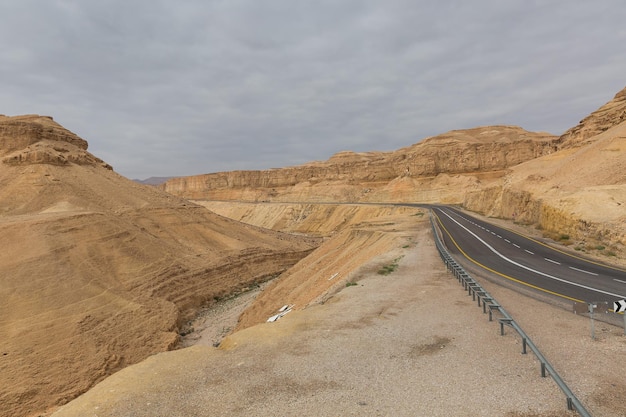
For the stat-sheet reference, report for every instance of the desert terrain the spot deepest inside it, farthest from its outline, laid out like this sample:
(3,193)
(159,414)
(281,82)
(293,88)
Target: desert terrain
(410,343)
(154,301)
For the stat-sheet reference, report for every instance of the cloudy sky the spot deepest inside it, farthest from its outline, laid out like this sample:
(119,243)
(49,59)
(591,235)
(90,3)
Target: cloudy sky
(172,88)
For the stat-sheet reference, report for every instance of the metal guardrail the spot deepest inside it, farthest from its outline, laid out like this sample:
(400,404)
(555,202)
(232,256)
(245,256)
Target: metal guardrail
(489,304)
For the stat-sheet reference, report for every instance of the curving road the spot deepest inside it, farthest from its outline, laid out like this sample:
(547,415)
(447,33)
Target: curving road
(528,261)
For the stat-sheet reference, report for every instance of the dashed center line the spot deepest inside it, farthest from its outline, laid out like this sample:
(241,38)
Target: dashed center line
(526,250)
(507,240)
(582,270)
(555,278)
(517,246)
(619,280)
(554,262)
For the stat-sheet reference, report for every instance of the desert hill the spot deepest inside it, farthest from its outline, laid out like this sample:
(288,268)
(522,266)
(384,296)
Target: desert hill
(606,117)
(101,272)
(98,272)
(578,192)
(570,186)
(425,168)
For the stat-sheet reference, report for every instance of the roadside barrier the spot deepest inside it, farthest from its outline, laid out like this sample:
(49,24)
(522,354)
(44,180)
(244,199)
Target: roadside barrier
(490,305)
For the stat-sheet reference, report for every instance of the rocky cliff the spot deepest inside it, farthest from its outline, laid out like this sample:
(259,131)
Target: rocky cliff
(576,195)
(609,115)
(34,139)
(98,272)
(349,176)
(571,186)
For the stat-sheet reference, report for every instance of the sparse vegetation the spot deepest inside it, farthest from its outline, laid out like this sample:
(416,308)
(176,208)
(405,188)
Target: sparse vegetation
(562,238)
(388,269)
(351,284)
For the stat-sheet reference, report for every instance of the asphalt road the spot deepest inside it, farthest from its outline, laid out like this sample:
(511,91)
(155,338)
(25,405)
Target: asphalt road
(529,262)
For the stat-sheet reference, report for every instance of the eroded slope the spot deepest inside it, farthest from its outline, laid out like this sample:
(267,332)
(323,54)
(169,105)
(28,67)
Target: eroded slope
(97,272)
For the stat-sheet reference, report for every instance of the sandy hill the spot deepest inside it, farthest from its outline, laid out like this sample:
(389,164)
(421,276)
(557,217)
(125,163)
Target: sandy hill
(98,272)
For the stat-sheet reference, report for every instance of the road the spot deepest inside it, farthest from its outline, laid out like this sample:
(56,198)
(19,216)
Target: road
(529,262)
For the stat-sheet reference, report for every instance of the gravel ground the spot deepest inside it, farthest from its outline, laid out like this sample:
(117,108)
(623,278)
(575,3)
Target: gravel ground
(411,343)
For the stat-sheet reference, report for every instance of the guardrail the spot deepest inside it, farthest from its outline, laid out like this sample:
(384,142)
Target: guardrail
(489,304)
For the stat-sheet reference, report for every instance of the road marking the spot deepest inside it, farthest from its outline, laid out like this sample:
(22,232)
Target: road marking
(554,262)
(582,270)
(517,246)
(619,280)
(492,249)
(507,240)
(499,236)
(526,250)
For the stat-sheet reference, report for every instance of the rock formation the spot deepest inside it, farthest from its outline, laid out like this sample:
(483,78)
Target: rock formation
(571,186)
(98,272)
(349,176)
(34,139)
(609,115)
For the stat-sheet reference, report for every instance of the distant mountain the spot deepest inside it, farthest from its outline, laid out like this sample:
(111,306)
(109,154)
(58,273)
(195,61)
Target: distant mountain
(153,180)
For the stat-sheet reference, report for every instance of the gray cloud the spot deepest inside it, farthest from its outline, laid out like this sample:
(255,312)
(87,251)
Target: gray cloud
(162,88)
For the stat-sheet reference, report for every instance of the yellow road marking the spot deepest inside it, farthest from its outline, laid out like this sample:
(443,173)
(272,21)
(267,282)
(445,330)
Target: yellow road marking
(500,273)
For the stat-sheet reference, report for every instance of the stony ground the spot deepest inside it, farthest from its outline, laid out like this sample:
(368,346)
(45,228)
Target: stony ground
(410,343)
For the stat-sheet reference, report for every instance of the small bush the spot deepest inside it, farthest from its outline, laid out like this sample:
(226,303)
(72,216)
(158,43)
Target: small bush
(388,269)
(351,284)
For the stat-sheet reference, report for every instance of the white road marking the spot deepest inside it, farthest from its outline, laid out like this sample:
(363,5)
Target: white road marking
(517,246)
(507,240)
(582,270)
(554,262)
(619,280)
(526,250)
(491,248)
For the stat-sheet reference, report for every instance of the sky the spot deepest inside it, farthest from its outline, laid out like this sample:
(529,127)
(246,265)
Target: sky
(176,88)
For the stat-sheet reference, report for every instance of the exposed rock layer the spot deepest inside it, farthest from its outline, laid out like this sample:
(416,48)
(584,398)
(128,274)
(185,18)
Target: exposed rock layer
(570,186)
(349,176)
(609,115)
(98,272)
